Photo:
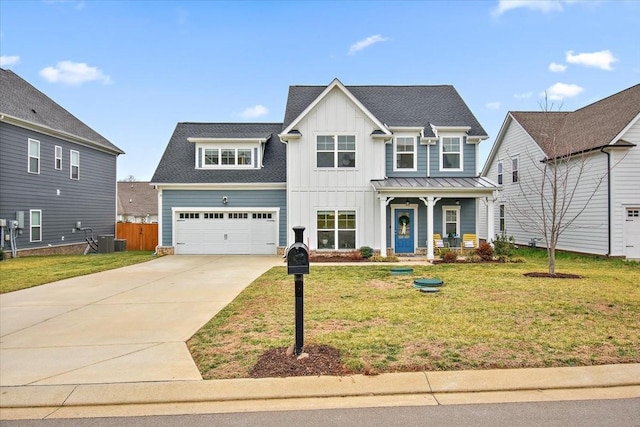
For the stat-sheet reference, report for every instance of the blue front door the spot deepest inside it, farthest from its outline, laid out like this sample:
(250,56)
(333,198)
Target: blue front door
(404,231)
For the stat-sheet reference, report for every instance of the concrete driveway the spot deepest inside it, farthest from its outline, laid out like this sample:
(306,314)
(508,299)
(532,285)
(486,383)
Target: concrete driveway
(124,325)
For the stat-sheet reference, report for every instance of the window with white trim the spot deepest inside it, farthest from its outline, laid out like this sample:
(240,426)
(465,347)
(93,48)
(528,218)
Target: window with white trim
(227,157)
(35,225)
(33,163)
(58,158)
(405,153)
(514,170)
(336,151)
(451,221)
(501,219)
(75,165)
(451,149)
(336,229)
(499,173)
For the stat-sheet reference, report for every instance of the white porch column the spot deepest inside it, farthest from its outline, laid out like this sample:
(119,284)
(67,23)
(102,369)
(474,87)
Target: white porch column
(491,221)
(430,203)
(383,226)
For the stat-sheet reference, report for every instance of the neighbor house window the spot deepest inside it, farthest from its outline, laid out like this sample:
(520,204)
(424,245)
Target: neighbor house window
(499,173)
(451,220)
(75,165)
(336,229)
(502,212)
(336,151)
(514,170)
(405,153)
(58,161)
(35,220)
(34,156)
(227,157)
(451,153)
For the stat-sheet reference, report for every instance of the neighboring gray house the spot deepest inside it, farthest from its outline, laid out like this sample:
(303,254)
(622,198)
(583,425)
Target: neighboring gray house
(381,166)
(56,173)
(605,135)
(137,202)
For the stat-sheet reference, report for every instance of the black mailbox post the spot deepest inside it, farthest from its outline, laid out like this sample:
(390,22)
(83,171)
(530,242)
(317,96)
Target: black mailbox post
(298,265)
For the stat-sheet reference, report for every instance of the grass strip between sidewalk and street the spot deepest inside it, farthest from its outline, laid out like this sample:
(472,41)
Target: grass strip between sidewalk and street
(486,316)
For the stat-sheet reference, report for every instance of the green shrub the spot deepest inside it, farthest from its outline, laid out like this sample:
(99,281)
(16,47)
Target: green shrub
(474,258)
(366,251)
(484,251)
(504,246)
(378,258)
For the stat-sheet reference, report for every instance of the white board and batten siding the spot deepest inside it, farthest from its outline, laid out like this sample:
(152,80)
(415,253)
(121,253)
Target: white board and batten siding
(315,189)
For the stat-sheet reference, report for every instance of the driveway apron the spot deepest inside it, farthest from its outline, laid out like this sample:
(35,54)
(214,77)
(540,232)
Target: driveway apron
(123,325)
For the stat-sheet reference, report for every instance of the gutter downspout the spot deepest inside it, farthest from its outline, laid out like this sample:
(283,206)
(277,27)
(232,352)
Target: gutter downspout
(608,199)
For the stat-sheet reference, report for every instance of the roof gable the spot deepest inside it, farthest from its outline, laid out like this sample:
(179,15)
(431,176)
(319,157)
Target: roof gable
(137,198)
(396,106)
(335,84)
(22,101)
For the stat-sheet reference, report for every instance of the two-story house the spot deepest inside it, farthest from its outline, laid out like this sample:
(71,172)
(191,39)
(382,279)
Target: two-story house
(57,175)
(600,202)
(379,166)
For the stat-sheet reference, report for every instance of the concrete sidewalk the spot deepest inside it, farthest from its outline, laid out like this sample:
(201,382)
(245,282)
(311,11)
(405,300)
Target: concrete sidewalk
(296,393)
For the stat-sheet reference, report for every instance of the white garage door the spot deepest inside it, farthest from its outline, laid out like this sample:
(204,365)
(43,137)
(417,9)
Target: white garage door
(238,232)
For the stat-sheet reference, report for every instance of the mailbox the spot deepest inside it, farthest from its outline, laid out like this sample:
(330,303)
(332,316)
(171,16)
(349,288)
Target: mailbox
(298,254)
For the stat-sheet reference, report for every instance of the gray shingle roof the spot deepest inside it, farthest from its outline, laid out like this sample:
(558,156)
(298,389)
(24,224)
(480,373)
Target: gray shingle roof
(591,127)
(177,164)
(137,198)
(398,105)
(23,101)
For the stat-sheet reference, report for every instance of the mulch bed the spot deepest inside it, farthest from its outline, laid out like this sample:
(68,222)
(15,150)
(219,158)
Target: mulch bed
(554,276)
(322,360)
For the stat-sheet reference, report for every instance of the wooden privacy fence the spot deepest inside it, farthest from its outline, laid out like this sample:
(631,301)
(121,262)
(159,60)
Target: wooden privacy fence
(139,237)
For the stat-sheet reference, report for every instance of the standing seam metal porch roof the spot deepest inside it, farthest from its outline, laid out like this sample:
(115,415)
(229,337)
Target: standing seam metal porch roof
(434,184)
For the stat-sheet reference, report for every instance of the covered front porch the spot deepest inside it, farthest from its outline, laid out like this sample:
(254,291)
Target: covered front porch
(412,210)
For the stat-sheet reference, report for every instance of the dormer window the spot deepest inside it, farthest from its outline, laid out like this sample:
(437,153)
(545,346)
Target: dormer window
(225,157)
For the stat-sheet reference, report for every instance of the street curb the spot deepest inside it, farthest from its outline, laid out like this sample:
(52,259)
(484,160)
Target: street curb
(411,383)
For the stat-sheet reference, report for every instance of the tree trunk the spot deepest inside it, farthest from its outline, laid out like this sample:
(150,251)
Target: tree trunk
(552,260)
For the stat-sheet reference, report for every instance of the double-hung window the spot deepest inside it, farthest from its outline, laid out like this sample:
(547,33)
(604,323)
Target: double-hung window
(35,221)
(336,229)
(499,173)
(451,153)
(58,158)
(75,165)
(451,220)
(502,214)
(34,156)
(405,153)
(514,170)
(336,151)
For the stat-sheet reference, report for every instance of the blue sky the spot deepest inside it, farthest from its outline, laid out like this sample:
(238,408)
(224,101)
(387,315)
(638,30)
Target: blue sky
(132,70)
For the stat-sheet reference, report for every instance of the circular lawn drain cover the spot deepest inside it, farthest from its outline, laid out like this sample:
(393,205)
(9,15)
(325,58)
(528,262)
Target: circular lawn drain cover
(401,270)
(423,283)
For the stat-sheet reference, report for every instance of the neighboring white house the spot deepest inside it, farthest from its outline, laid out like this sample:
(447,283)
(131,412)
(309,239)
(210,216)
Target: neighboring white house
(605,138)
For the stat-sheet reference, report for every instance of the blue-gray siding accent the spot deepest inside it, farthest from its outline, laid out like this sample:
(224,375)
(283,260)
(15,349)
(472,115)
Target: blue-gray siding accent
(468,158)
(213,199)
(91,199)
(422,163)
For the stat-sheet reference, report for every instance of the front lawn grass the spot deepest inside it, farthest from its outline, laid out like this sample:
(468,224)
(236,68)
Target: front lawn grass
(25,272)
(486,316)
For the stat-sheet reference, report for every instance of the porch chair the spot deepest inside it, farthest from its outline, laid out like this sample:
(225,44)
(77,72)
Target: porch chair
(438,243)
(469,241)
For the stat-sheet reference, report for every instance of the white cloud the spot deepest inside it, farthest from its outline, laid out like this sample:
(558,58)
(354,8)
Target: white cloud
(524,95)
(254,112)
(73,73)
(544,6)
(7,61)
(602,59)
(563,90)
(493,105)
(557,68)
(362,44)
(79,4)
